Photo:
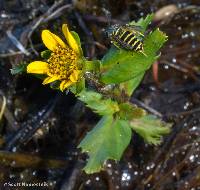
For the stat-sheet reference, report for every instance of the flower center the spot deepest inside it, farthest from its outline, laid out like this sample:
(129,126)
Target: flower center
(62,62)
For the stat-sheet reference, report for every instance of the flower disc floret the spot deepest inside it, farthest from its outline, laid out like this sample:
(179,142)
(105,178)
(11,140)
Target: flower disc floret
(62,63)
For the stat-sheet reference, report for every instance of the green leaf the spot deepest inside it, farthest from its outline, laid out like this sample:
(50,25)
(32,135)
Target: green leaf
(124,65)
(132,84)
(119,65)
(107,140)
(113,54)
(150,128)
(153,42)
(128,66)
(96,102)
(19,69)
(45,54)
(143,23)
(130,111)
(110,58)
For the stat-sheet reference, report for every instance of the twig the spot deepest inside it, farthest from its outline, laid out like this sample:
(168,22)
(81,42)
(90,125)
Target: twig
(31,161)
(71,175)
(193,180)
(28,129)
(57,12)
(50,14)
(177,67)
(180,51)
(43,17)
(162,151)
(184,147)
(181,69)
(170,139)
(101,19)
(17,43)
(184,113)
(4,55)
(98,44)
(178,167)
(88,33)
(14,53)
(13,124)
(148,108)
(3,106)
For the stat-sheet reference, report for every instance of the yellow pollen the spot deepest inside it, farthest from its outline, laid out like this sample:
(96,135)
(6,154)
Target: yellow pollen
(62,62)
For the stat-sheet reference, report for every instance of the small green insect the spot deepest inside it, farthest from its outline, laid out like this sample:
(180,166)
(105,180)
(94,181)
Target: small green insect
(128,37)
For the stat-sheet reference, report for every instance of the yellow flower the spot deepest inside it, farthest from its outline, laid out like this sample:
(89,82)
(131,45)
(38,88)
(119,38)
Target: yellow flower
(64,61)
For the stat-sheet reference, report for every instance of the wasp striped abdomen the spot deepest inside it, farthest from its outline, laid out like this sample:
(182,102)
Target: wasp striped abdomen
(127,37)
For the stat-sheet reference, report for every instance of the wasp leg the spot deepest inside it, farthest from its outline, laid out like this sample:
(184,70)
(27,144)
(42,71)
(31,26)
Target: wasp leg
(142,51)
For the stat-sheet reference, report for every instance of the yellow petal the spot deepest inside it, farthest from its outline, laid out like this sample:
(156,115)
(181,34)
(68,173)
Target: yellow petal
(51,41)
(70,39)
(37,67)
(75,76)
(50,79)
(65,84)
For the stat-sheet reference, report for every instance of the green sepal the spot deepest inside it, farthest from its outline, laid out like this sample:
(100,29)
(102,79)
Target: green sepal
(55,85)
(150,128)
(39,76)
(45,54)
(107,140)
(92,66)
(76,37)
(78,41)
(78,87)
(129,111)
(19,69)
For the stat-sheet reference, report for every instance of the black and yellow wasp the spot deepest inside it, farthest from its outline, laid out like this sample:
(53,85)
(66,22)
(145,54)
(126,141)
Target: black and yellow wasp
(127,37)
